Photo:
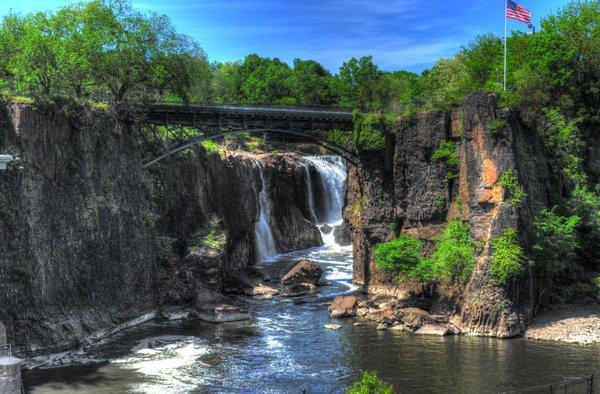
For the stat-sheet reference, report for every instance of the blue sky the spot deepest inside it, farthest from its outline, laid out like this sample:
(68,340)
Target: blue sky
(400,34)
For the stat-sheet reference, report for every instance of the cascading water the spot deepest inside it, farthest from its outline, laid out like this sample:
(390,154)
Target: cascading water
(263,235)
(309,193)
(332,171)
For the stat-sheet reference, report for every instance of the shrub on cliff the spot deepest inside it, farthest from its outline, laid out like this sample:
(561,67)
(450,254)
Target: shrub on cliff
(403,257)
(448,153)
(370,130)
(507,256)
(453,259)
(510,182)
(370,383)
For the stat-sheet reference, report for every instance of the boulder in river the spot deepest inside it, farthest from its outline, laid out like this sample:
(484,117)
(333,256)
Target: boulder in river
(343,307)
(433,329)
(299,289)
(332,326)
(223,313)
(341,235)
(261,290)
(304,271)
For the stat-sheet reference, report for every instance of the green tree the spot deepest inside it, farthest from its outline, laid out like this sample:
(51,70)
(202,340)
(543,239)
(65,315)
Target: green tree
(370,383)
(312,84)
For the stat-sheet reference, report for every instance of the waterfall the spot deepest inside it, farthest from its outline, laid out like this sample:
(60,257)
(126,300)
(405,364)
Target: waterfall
(263,235)
(332,171)
(333,175)
(310,198)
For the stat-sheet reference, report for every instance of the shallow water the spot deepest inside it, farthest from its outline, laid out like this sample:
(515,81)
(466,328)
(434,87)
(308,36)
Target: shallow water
(286,349)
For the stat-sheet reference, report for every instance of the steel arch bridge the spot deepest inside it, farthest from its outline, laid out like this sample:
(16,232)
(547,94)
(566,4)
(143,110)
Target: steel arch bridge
(165,130)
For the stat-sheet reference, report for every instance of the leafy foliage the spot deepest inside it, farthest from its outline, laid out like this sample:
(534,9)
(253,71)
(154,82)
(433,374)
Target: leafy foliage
(508,255)
(453,259)
(510,182)
(448,153)
(370,130)
(401,255)
(370,383)
(211,146)
(496,125)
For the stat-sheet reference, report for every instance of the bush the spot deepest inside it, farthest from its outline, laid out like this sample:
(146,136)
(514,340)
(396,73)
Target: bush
(507,256)
(510,182)
(370,130)
(496,125)
(555,241)
(453,258)
(401,255)
(448,153)
(597,282)
(370,383)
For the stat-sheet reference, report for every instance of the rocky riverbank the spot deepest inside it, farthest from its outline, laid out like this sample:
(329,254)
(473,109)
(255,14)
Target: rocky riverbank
(567,323)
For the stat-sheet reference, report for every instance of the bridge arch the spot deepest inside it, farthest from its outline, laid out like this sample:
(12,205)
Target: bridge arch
(187,143)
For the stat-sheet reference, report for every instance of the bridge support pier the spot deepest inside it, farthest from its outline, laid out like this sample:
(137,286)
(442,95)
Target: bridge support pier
(10,367)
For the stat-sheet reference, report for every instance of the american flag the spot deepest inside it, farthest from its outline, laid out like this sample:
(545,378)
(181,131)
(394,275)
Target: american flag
(517,12)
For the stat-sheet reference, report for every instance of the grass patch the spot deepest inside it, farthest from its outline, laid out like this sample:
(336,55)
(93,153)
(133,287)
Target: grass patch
(211,146)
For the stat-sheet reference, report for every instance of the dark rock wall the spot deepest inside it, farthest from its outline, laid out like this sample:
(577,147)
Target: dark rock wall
(80,221)
(74,256)
(402,190)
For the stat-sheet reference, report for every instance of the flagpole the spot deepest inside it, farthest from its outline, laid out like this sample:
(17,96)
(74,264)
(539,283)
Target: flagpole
(505,46)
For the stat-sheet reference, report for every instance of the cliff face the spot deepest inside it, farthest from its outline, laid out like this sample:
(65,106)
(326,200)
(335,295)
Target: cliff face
(74,256)
(402,190)
(86,232)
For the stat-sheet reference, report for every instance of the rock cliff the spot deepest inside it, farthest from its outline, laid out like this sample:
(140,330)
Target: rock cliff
(89,240)
(402,190)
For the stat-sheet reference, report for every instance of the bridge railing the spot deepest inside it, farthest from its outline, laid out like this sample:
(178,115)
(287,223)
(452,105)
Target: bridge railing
(577,385)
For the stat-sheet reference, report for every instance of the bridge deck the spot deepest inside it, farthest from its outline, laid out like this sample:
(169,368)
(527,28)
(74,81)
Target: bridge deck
(200,114)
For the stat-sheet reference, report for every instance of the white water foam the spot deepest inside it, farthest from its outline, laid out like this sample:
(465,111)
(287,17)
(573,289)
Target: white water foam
(263,235)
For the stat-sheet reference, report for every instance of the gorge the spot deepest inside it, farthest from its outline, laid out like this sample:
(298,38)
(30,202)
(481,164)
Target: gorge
(104,263)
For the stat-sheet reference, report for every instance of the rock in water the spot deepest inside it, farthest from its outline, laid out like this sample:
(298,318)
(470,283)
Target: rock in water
(433,329)
(223,313)
(325,229)
(261,290)
(343,307)
(299,289)
(332,326)
(341,235)
(305,271)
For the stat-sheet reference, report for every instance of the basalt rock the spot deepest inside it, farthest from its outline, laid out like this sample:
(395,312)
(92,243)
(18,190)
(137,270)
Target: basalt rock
(343,307)
(304,271)
(401,189)
(342,236)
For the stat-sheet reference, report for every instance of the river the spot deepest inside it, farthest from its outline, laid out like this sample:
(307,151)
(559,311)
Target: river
(285,348)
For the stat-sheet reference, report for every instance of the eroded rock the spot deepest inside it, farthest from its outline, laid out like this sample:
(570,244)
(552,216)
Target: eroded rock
(305,271)
(433,329)
(300,289)
(343,307)
(223,313)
